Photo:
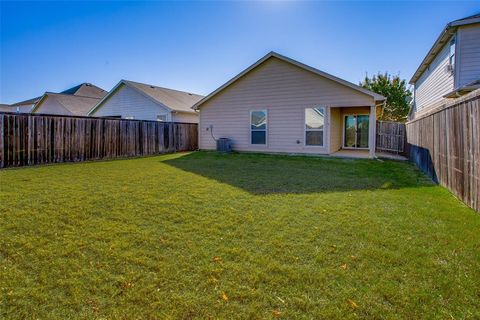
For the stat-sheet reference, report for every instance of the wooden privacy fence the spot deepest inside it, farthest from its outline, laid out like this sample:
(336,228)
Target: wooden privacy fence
(391,136)
(446,145)
(28,139)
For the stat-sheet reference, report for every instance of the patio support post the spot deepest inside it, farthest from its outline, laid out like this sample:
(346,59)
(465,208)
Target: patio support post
(372,132)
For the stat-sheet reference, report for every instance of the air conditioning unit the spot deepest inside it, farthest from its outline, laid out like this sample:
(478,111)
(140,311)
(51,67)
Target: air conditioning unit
(224,145)
(449,68)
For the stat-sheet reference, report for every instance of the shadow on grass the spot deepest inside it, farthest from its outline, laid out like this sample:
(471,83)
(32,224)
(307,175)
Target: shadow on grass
(267,174)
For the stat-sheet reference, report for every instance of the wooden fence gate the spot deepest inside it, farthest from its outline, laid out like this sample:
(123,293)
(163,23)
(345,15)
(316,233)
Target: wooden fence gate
(29,139)
(391,137)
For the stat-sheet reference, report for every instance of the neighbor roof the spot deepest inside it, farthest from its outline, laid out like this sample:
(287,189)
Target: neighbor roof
(443,38)
(77,105)
(271,54)
(29,101)
(86,90)
(6,108)
(175,100)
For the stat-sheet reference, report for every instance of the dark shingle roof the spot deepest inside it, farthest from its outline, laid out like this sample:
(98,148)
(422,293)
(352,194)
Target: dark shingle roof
(86,90)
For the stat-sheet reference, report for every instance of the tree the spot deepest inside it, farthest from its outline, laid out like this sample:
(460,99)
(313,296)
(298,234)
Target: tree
(395,90)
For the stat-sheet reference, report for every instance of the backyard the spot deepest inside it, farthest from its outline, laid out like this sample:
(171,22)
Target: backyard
(235,236)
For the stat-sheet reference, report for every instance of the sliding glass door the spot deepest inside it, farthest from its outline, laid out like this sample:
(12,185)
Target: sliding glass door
(356,131)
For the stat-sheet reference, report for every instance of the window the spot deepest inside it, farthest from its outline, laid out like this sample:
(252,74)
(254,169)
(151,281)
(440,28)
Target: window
(452,52)
(258,127)
(162,117)
(314,122)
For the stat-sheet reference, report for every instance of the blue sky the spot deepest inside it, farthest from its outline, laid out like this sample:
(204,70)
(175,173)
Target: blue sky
(197,46)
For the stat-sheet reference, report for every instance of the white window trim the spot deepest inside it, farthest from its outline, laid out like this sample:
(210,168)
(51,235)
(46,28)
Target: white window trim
(250,129)
(343,131)
(323,146)
(163,114)
(454,55)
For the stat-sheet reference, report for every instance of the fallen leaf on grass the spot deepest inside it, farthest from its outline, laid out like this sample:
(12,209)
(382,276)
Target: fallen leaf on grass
(126,285)
(217,259)
(344,266)
(352,304)
(276,313)
(224,297)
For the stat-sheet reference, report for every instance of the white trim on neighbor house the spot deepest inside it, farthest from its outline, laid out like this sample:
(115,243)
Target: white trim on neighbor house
(162,115)
(376,96)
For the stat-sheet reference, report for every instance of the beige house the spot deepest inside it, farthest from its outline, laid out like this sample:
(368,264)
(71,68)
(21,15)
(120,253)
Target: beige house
(76,101)
(25,106)
(280,105)
(134,100)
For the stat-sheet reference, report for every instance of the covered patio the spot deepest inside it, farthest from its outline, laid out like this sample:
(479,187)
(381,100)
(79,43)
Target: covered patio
(352,131)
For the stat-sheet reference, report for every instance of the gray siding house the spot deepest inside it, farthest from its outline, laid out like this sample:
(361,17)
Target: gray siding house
(451,67)
(133,100)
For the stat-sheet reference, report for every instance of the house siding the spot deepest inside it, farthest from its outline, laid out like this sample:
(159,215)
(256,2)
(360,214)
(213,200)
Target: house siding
(128,102)
(185,117)
(51,106)
(468,50)
(284,90)
(435,82)
(336,129)
(23,108)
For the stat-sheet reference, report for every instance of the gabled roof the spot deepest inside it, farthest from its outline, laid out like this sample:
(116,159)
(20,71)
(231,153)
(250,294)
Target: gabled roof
(174,100)
(7,108)
(29,101)
(271,54)
(77,105)
(86,90)
(443,38)
(83,89)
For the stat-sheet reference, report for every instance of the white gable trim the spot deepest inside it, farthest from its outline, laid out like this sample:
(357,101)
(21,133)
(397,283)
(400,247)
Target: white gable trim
(376,96)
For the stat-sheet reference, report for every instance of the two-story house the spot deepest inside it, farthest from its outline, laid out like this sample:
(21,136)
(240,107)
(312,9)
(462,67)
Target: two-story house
(451,67)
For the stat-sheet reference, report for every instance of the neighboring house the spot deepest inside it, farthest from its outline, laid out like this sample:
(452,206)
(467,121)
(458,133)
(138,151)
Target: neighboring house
(25,106)
(133,100)
(451,67)
(76,101)
(7,108)
(281,105)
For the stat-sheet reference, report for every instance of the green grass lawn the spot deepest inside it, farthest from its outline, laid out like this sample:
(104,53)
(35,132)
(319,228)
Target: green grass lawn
(235,236)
